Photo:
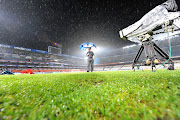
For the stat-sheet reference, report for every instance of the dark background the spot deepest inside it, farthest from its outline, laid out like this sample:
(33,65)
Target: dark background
(39,23)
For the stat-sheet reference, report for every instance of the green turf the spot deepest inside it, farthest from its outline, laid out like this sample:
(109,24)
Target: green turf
(100,95)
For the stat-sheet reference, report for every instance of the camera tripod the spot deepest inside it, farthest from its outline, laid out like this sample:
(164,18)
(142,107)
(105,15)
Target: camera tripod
(150,53)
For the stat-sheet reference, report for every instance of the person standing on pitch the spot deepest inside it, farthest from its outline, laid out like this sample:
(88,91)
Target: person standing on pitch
(90,60)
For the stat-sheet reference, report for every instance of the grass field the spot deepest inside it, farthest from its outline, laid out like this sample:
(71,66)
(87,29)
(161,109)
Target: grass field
(98,95)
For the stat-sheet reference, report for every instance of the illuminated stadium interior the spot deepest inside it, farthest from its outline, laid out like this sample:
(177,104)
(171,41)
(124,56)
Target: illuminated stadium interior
(17,59)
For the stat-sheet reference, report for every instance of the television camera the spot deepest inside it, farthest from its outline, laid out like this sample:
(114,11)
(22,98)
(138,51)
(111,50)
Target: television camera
(162,22)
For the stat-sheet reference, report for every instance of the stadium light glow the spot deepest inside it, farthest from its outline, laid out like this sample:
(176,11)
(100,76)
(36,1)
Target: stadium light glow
(85,58)
(129,46)
(97,49)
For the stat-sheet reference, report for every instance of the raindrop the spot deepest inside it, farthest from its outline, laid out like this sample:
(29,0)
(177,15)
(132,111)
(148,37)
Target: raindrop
(137,11)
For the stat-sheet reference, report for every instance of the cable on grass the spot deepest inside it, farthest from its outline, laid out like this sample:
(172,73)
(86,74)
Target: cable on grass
(169,50)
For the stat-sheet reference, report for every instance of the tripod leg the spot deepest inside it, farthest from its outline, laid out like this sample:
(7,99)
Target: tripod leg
(171,65)
(164,55)
(153,64)
(161,52)
(137,56)
(133,68)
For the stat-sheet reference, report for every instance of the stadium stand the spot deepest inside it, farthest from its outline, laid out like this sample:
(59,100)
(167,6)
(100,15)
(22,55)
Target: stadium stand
(125,56)
(17,59)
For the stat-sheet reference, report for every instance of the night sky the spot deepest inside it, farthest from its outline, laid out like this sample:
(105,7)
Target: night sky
(38,23)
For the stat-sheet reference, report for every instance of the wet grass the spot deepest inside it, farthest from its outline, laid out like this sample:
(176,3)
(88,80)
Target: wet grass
(99,95)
